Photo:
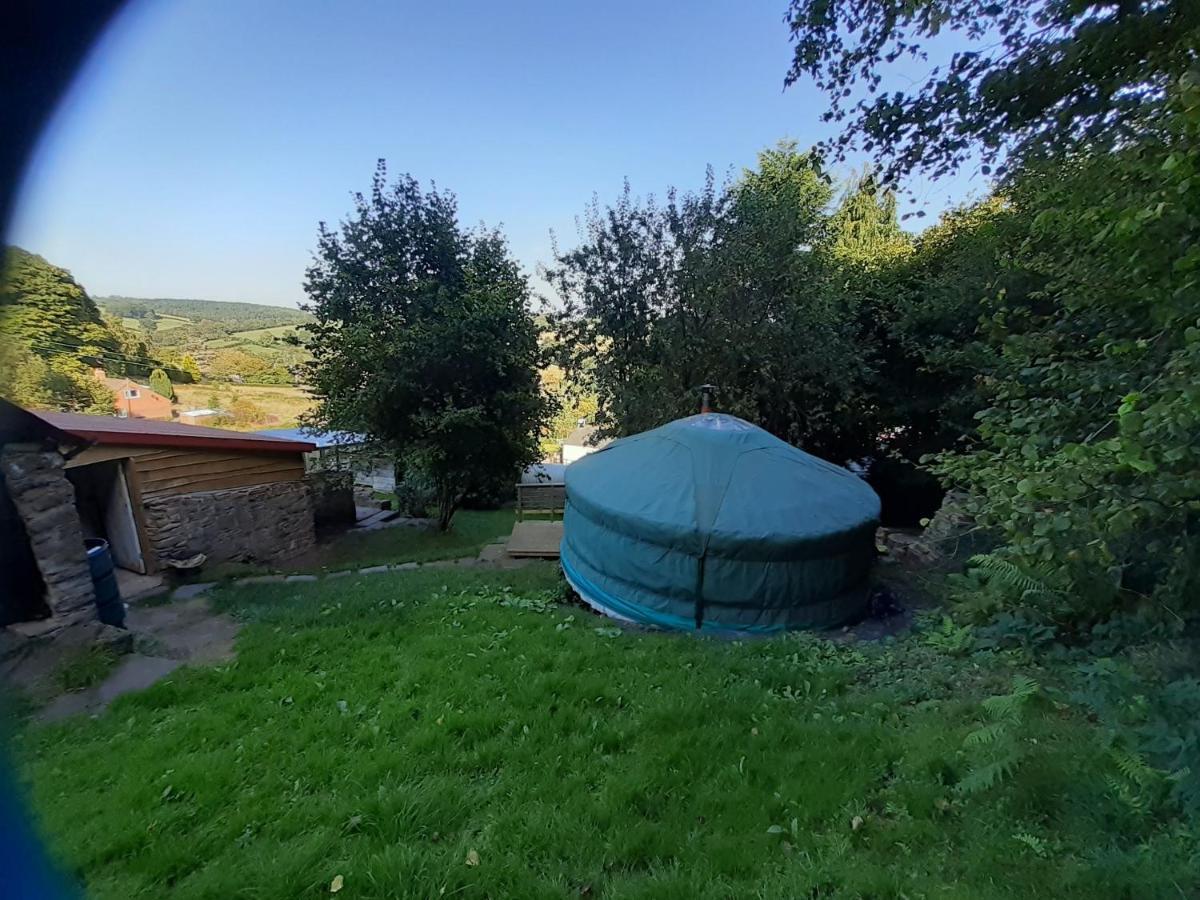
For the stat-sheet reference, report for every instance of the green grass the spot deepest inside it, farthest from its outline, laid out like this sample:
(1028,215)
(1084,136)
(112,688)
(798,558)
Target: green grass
(255,334)
(395,730)
(469,533)
(166,323)
(86,667)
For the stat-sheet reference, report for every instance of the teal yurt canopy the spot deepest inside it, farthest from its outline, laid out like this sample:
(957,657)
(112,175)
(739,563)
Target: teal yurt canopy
(710,522)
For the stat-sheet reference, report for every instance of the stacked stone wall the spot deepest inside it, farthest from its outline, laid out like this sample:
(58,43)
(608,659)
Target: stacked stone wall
(263,523)
(45,500)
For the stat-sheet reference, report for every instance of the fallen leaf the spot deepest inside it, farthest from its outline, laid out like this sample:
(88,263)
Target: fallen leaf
(856,823)
(472,858)
(336,884)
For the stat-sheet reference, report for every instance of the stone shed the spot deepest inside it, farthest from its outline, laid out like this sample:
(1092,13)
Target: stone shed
(154,490)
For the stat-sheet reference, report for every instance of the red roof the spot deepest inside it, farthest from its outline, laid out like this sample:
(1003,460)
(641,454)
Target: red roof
(109,430)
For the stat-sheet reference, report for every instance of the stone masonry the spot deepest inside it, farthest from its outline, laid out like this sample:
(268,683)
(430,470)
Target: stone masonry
(45,500)
(332,495)
(261,523)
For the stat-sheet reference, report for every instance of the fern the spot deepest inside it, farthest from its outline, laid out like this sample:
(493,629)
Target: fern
(990,774)
(997,739)
(1012,576)
(1039,847)
(1008,707)
(1134,768)
(987,735)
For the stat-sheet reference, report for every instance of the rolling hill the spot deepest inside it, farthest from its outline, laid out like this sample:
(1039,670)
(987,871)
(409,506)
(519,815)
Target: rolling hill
(244,315)
(251,342)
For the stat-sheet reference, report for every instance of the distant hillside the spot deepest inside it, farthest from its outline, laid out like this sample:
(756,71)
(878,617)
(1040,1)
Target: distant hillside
(240,316)
(248,342)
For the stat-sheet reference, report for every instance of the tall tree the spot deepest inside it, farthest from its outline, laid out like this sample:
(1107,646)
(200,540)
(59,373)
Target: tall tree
(424,340)
(723,286)
(1037,76)
(161,384)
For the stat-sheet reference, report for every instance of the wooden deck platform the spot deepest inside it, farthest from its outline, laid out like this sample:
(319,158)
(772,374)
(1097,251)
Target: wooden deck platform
(534,538)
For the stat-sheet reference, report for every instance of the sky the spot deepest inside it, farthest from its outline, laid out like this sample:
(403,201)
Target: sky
(204,140)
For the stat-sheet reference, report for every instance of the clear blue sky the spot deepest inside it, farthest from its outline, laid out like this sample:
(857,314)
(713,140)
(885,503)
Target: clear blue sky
(205,139)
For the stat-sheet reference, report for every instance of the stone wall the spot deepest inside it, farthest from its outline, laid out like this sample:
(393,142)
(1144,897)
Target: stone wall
(332,497)
(262,523)
(45,501)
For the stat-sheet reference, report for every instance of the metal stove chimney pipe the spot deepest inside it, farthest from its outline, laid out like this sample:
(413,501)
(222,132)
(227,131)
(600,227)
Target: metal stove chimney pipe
(706,392)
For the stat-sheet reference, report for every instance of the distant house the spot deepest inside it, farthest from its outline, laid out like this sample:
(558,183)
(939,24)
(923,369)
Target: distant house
(135,401)
(153,490)
(580,442)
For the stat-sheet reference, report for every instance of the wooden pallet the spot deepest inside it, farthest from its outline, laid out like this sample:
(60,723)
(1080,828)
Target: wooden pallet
(535,539)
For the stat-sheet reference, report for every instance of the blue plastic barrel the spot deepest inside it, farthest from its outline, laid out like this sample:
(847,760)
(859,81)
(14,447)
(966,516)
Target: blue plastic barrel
(109,608)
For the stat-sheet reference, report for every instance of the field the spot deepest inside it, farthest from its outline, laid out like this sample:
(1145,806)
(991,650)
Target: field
(461,733)
(282,403)
(250,334)
(258,334)
(163,323)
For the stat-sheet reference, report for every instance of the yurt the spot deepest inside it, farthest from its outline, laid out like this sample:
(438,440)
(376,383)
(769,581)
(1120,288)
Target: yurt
(710,523)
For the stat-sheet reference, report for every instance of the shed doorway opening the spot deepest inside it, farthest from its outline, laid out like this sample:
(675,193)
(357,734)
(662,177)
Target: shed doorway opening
(106,511)
(24,596)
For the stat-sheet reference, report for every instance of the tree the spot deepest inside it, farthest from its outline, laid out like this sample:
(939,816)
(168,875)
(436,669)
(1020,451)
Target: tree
(190,369)
(424,341)
(161,384)
(45,309)
(723,286)
(1065,309)
(1087,459)
(1039,75)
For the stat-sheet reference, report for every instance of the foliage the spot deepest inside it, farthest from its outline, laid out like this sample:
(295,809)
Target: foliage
(722,286)
(1152,717)
(1038,76)
(45,309)
(1087,460)
(415,494)
(59,383)
(424,341)
(52,335)
(997,745)
(161,384)
(947,637)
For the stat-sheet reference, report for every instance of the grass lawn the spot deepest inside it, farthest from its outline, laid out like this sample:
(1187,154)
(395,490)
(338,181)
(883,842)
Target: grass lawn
(454,733)
(470,531)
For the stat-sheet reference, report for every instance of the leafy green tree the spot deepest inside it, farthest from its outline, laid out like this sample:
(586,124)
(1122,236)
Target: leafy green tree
(45,309)
(1038,76)
(724,286)
(161,384)
(1080,276)
(1087,458)
(424,341)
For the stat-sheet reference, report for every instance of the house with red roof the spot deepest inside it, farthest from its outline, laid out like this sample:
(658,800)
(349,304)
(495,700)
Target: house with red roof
(135,401)
(155,492)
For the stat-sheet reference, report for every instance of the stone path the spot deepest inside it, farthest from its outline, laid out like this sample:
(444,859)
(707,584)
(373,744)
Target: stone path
(184,632)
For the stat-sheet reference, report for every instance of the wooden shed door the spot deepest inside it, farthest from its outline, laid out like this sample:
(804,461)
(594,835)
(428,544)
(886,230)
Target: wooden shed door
(121,525)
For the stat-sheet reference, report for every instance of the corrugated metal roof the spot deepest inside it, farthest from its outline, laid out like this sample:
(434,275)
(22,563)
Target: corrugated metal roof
(323,439)
(152,433)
